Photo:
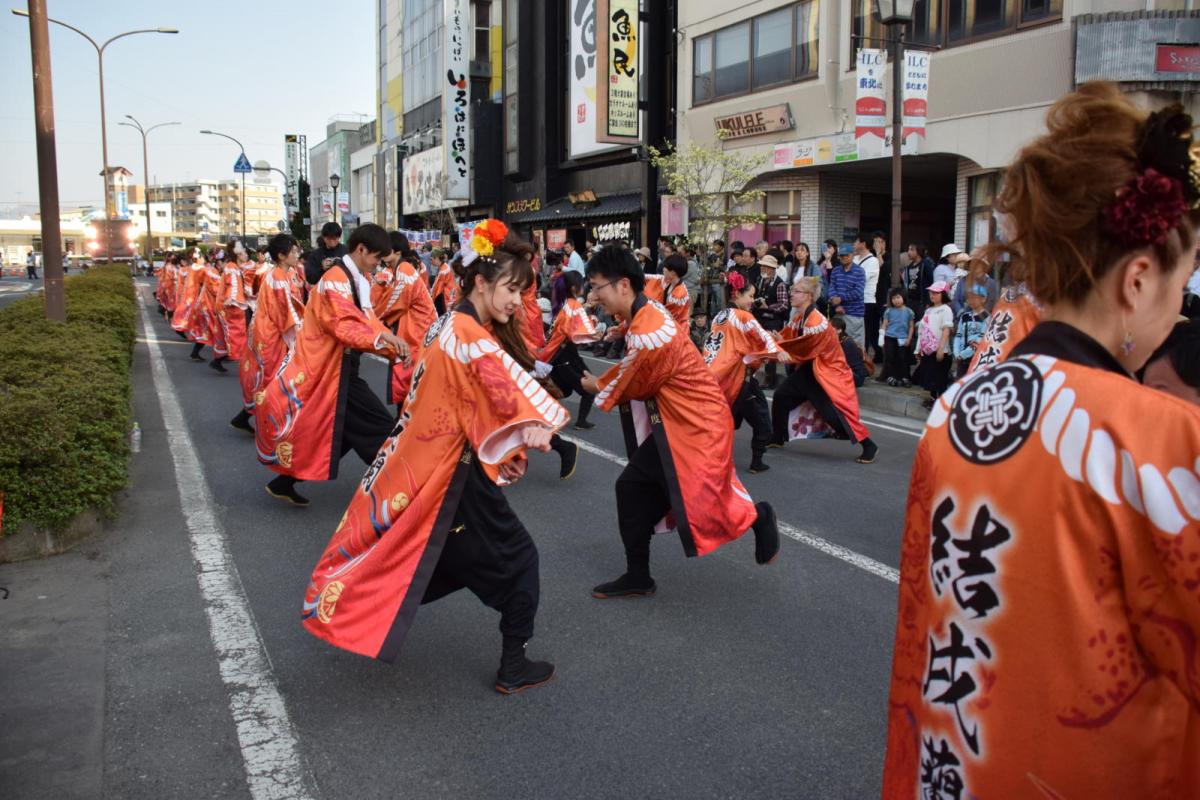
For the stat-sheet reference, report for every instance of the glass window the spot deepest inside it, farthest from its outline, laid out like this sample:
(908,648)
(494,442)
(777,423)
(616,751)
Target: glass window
(926,25)
(981,191)
(702,86)
(731,60)
(1038,10)
(807,53)
(778,203)
(772,48)
(968,19)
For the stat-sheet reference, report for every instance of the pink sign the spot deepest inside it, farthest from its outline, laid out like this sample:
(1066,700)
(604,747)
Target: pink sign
(1177,58)
(674,215)
(555,239)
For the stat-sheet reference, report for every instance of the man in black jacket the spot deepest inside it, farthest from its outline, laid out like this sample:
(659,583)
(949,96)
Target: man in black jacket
(329,250)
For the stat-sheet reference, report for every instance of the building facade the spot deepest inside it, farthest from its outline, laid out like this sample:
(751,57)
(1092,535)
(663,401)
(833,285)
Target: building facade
(211,210)
(344,134)
(777,81)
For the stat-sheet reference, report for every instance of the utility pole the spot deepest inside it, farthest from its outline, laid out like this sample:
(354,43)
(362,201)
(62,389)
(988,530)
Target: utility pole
(43,101)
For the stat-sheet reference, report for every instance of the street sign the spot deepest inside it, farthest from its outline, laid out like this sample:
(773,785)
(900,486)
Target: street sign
(242,164)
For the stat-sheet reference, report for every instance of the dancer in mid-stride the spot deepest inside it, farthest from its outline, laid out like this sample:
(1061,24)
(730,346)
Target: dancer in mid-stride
(429,517)
(678,434)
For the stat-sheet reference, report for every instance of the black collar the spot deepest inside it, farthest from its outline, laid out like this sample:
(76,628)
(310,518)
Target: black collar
(638,303)
(1060,340)
(465,306)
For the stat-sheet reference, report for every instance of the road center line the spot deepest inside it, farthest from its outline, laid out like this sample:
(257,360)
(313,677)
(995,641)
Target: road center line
(804,537)
(274,767)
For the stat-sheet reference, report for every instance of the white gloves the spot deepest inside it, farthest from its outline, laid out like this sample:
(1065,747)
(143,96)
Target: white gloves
(541,369)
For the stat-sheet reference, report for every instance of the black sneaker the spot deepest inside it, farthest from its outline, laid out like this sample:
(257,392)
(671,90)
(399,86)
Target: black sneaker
(569,453)
(517,673)
(869,451)
(199,359)
(625,586)
(217,365)
(584,425)
(757,465)
(286,491)
(242,422)
(766,534)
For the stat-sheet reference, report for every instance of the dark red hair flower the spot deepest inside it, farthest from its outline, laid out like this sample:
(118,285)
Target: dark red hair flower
(1146,210)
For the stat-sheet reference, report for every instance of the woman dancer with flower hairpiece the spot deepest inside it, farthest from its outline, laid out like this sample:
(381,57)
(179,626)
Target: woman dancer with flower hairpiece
(429,517)
(1048,634)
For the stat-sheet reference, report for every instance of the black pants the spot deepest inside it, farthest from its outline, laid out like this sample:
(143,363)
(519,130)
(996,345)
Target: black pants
(802,385)
(871,316)
(567,375)
(642,500)
(489,552)
(367,422)
(751,406)
(894,365)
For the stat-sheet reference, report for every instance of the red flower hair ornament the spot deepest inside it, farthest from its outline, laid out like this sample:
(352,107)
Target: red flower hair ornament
(736,281)
(1146,210)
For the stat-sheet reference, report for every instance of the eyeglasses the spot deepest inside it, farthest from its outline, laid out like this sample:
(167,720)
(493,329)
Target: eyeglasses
(596,288)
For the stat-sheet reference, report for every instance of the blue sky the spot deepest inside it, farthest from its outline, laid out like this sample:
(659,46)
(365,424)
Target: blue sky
(255,69)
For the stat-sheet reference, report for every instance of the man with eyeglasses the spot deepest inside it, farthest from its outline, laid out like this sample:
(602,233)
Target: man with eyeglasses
(675,412)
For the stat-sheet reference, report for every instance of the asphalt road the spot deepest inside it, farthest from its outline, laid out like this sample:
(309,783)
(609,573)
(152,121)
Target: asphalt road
(734,681)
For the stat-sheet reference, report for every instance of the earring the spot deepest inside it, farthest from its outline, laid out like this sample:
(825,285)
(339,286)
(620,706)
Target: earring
(1127,345)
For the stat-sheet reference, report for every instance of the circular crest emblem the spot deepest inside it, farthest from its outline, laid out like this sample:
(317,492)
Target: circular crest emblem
(436,328)
(995,413)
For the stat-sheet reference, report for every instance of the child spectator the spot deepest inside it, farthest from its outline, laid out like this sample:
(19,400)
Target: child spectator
(933,342)
(972,325)
(896,333)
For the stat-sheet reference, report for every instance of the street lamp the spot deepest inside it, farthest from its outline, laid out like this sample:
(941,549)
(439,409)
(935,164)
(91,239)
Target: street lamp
(334,180)
(103,127)
(146,172)
(895,14)
(243,149)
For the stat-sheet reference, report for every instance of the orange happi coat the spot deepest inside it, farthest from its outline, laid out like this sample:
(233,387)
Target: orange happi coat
(278,316)
(165,293)
(674,296)
(468,400)
(232,310)
(810,338)
(206,329)
(188,298)
(446,288)
(573,324)
(1048,632)
(299,421)
(406,308)
(1014,316)
(735,334)
(534,333)
(665,390)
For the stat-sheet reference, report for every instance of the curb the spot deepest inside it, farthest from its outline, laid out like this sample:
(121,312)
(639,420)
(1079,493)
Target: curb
(897,402)
(30,542)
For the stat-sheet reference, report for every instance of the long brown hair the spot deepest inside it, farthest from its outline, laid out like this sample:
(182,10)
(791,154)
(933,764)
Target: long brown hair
(508,262)
(1056,191)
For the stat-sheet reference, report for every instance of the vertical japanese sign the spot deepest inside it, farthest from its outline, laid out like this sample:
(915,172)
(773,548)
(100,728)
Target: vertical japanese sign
(456,123)
(618,25)
(870,107)
(581,76)
(916,93)
(291,165)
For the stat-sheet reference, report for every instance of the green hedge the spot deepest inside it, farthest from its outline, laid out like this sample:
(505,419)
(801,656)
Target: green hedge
(65,409)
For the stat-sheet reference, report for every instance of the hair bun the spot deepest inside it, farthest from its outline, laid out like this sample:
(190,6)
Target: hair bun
(1166,145)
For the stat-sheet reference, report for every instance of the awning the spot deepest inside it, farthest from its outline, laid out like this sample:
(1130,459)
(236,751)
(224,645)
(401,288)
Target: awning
(618,205)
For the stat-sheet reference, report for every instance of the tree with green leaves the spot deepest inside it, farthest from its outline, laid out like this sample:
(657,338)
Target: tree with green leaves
(715,185)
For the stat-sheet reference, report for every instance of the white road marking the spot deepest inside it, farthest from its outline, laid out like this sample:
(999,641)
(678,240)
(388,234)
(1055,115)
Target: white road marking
(804,537)
(274,767)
